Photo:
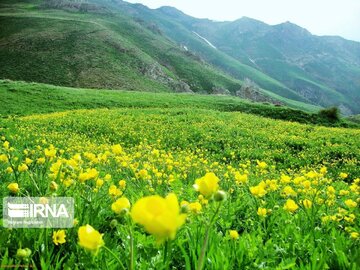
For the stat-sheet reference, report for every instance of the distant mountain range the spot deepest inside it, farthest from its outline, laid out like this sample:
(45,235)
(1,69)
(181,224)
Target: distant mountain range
(115,44)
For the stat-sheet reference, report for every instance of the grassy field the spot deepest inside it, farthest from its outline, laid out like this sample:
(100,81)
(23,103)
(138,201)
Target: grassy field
(28,98)
(232,190)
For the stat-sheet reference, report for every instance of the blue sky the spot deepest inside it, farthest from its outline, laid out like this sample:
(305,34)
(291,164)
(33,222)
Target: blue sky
(320,17)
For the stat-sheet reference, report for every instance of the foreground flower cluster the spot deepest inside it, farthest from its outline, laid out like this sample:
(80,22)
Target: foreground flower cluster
(154,202)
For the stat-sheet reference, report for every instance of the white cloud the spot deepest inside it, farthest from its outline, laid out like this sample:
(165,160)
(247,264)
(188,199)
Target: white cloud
(321,17)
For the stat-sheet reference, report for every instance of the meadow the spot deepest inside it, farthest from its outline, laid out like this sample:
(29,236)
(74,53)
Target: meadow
(232,190)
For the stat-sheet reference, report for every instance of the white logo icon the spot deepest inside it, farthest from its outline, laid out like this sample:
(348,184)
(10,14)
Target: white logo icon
(18,210)
(38,212)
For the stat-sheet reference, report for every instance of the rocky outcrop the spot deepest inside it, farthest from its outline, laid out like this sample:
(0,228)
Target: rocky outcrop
(220,91)
(155,72)
(251,91)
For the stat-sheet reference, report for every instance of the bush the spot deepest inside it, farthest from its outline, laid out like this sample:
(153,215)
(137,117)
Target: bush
(331,114)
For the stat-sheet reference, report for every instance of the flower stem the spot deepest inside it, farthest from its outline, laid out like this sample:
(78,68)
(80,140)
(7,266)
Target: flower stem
(206,239)
(167,255)
(131,267)
(116,257)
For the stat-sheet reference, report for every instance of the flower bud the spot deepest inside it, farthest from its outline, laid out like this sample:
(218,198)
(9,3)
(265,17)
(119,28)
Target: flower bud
(113,223)
(23,253)
(220,196)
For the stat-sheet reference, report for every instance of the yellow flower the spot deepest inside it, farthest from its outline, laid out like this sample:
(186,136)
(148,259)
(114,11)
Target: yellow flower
(159,216)
(258,191)
(59,237)
(23,167)
(13,187)
(122,184)
(330,190)
(28,161)
(290,206)
(40,161)
(121,205)
(262,212)
(262,165)
(234,234)
(354,235)
(116,149)
(343,175)
(307,203)
(241,178)
(90,239)
(195,207)
(114,191)
(6,145)
(288,191)
(99,183)
(3,158)
(323,170)
(207,185)
(9,170)
(285,179)
(50,153)
(53,186)
(350,203)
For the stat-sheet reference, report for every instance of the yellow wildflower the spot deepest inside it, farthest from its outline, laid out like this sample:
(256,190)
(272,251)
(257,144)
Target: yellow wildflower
(234,235)
(262,212)
(50,153)
(59,237)
(114,191)
(40,161)
(354,235)
(262,165)
(290,206)
(23,167)
(122,184)
(241,178)
(195,207)
(159,216)
(13,187)
(288,191)
(307,203)
(90,239)
(28,161)
(116,149)
(121,205)
(350,203)
(258,191)
(207,185)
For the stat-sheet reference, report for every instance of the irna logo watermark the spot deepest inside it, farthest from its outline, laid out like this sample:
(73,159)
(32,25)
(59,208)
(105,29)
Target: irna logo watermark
(38,212)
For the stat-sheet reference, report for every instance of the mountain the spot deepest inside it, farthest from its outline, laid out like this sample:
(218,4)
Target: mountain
(118,45)
(324,70)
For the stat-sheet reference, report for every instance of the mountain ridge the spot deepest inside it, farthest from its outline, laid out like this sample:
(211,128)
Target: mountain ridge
(164,49)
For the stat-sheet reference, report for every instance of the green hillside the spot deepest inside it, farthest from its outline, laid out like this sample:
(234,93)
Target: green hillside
(30,98)
(270,192)
(97,50)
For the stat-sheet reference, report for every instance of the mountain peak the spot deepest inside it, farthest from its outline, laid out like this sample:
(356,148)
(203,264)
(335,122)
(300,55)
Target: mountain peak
(171,11)
(292,28)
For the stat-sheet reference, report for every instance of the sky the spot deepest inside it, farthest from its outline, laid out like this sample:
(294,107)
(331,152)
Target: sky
(320,17)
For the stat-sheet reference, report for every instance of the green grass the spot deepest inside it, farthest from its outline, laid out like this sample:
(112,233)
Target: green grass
(96,51)
(173,147)
(29,98)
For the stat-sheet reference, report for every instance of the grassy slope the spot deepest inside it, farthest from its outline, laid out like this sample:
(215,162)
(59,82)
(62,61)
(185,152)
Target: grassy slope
(93,50)
(29,98)
(44,46)
(182,35)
